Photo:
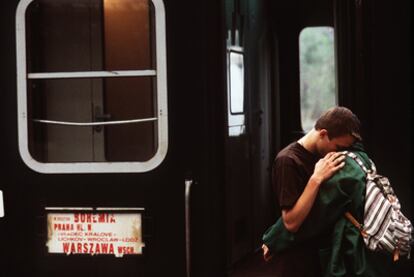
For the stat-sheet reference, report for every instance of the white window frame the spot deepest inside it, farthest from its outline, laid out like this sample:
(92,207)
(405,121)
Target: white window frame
(93,167)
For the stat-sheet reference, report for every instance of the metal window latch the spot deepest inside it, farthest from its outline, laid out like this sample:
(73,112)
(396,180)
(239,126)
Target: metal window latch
(100,116)
(1,204)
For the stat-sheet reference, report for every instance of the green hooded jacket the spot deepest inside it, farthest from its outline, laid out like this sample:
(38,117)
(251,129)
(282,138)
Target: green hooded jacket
(343,253)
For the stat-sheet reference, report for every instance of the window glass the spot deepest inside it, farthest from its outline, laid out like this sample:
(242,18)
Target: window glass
(236,83)
(91,85)
(235,72)
(235,63)
(235,91)
(317,73)
(79,35)
(82,100)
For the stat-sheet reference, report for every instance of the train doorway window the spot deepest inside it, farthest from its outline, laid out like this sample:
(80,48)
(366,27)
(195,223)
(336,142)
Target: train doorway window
(317,73)
(92,92)
(235,91)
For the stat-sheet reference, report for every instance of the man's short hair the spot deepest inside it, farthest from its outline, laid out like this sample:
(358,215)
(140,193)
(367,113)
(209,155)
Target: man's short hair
(339,121)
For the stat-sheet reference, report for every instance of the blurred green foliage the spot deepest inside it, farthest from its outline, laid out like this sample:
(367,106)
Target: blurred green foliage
(317,73)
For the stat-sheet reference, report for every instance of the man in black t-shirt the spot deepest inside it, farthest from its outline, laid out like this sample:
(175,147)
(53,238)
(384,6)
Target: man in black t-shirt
(298,171)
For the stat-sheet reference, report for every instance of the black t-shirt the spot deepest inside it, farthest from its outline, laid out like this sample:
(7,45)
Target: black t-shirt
(292,169)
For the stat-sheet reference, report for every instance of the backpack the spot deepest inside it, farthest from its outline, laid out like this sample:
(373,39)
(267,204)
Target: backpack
(385,228)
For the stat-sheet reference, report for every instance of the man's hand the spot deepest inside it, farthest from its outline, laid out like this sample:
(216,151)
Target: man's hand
(327,166)
(266,253)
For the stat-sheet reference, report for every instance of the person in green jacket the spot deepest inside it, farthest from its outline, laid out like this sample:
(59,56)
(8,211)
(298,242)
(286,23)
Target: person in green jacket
(342,252)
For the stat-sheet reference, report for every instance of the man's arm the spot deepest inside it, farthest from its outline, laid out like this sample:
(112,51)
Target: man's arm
(324,169)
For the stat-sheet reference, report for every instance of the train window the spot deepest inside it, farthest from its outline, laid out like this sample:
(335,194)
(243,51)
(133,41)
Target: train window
(1,204)
(92,94)
(235,60)
(236,88)
(317,73)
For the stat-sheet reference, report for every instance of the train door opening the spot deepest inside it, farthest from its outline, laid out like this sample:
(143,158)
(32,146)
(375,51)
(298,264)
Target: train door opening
(248,138)
(284,67)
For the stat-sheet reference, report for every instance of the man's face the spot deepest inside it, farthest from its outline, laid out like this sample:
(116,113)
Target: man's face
(326,145)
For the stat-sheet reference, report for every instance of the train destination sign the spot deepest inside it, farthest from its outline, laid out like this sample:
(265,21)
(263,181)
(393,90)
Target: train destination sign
(116,234)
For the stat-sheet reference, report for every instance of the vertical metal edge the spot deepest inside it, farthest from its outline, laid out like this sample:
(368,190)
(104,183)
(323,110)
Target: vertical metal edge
(188,184)
(1,204)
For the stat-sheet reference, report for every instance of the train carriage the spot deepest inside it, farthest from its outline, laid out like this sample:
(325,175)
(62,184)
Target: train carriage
(139,135)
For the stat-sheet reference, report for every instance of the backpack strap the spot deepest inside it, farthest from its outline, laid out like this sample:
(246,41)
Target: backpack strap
(348,215)
(355,222)
(353,156)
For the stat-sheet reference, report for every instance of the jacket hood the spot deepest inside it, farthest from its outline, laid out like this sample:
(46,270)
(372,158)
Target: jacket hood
(357,146)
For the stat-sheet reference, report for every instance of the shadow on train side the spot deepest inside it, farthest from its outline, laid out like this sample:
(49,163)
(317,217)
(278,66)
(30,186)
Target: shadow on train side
(139,135)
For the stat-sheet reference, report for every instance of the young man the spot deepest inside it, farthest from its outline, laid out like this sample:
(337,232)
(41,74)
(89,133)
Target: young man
(298,171)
